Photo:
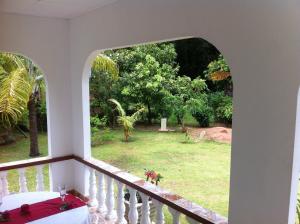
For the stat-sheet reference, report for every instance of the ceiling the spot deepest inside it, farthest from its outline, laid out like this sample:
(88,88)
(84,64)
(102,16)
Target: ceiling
(52,8)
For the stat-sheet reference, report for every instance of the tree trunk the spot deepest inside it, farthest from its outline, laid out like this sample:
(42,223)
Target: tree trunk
(33,128)
(149,114)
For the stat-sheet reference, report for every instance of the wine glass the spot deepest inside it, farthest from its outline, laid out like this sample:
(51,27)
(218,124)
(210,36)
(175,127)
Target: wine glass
(62,192)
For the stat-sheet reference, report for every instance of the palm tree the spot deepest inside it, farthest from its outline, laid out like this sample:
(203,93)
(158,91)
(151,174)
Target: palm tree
(126,121)
(14,92)
(21,83)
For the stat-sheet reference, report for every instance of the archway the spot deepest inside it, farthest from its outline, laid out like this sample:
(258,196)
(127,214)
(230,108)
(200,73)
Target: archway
(89,94)
(23,111)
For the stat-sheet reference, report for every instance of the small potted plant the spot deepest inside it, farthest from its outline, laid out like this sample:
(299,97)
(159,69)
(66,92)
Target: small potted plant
(154,178)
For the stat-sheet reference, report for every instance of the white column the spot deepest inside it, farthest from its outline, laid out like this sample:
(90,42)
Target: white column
(4,184)
(160,219)
(92,188)
(110,200)
(101,193)
(191,221)
(120,204)
(40,186)
(145,219)
(22,180)
(133,213)
(175,214)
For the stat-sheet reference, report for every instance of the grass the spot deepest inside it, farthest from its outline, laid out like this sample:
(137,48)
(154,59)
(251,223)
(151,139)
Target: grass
(196,171)
(20,151)
(199,172)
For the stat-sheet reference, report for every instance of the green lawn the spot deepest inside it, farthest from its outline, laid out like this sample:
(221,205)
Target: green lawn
(20,151)
(197,171)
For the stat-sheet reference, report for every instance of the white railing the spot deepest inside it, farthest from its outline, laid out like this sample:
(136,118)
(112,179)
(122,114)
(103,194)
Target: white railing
(107,188)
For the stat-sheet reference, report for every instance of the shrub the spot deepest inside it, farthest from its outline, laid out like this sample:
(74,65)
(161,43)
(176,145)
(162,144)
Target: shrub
(100,137)
(222,107)
(204,115)
(200,110)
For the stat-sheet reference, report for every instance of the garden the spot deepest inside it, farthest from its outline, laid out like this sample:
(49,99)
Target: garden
(132,90)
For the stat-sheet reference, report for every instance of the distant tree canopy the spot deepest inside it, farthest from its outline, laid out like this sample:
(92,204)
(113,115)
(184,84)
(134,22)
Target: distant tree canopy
(168,78)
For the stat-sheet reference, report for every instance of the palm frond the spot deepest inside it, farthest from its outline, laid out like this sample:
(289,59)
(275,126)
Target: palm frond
(14,95)
(118,106)
(105,64)
(136,115)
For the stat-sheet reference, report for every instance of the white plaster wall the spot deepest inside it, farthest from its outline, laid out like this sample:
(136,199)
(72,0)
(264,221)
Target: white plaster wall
(260,40)
(46,42)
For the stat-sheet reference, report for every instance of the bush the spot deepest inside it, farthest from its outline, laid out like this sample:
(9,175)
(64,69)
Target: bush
(222,107)
(96,122)
(204,116)
(101,136)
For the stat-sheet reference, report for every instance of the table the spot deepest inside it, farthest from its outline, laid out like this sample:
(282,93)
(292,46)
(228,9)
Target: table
(75,216)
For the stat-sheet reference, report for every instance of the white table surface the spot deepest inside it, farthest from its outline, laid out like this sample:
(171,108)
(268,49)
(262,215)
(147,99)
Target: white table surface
(75,216)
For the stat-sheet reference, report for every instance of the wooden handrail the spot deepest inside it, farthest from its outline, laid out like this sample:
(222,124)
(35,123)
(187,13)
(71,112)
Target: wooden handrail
(33,162)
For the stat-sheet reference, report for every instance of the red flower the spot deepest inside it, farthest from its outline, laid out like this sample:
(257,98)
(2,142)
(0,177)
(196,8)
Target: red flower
(25,209)
(5,215)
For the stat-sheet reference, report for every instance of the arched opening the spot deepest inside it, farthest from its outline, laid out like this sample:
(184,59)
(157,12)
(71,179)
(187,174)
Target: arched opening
(295,186)
(23,114)
(183,131)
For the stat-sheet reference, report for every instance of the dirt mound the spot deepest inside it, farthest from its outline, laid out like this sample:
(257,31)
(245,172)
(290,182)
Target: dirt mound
(218,134)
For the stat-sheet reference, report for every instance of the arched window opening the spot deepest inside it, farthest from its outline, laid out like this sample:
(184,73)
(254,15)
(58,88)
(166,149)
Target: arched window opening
(23,119)
(166,115)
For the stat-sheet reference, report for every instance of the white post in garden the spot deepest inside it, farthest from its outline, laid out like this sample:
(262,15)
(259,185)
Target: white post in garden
(163,124)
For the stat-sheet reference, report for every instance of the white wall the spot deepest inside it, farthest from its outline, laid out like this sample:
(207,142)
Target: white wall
(260,39)
(46,42)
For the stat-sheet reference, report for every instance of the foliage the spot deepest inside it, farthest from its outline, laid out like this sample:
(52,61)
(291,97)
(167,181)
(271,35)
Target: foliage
(218,72)
(126,121)
(146,72)
(298,210)
(187,94)
(15,89)
(101,136)
(222,106)
(204,115)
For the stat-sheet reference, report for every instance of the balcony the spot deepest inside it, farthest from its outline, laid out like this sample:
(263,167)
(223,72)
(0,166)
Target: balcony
(106,188)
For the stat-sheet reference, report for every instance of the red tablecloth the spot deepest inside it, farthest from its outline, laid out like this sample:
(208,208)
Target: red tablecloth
(43,209)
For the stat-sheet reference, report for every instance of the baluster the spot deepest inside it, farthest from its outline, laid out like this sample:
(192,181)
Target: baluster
(145,219)
(4,184)
(120,204)
(22,180)
(160,219)
(101,193)
(110,202)
(40,186)
(92,188)
(192,221)
(133,213)
(175,214)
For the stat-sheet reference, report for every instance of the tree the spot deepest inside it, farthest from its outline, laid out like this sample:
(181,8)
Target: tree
(126,121)
(105,73)
(187,96)
(15,90)
(218,72)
